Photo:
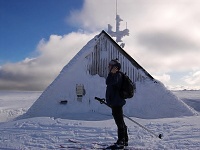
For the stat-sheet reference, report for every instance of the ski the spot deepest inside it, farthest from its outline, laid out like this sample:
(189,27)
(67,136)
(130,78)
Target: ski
(83,142)
(94,145)
(113,147)
(77,145)
(125,148)
(70,147)
(102,146)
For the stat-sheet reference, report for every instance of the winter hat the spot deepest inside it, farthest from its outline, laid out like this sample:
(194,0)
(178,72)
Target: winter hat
(115,63)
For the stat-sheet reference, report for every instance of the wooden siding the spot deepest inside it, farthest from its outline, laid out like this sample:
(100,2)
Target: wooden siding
(107,49)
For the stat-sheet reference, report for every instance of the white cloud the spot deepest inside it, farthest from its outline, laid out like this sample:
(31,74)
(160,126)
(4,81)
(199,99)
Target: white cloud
(193,78)
(37,73)
(93,16)
(165,78)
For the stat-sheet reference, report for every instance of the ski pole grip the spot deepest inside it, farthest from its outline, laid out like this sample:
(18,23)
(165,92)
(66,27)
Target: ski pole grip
(101,100)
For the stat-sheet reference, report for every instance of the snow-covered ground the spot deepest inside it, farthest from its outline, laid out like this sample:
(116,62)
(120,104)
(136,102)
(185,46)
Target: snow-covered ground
(15,103)
(49,133)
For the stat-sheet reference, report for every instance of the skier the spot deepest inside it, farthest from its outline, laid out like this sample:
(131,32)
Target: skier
(113,99)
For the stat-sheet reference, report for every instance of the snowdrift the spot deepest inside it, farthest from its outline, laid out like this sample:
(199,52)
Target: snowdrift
(151,100)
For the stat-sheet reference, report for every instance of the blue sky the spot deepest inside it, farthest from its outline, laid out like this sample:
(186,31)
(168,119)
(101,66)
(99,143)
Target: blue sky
(38,38)
(25,22)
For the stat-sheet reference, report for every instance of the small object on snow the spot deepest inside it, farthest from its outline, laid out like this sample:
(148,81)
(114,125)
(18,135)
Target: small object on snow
(63,102)
(160,136)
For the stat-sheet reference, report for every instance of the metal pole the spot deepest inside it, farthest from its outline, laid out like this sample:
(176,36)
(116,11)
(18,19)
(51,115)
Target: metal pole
(102,101)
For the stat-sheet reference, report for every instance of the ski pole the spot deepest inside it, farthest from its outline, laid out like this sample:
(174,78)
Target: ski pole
(102,101)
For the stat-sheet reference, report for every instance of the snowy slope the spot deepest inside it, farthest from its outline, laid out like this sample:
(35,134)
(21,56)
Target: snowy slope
(151,100)
(190,97)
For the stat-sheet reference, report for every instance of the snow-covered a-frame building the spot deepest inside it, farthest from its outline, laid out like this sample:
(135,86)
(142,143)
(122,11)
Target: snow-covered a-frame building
(83,78)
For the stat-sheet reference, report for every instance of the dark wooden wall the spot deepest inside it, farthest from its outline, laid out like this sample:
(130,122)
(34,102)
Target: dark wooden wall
(104,51)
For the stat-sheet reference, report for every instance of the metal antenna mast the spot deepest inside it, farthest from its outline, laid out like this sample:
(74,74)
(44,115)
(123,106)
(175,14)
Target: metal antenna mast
(119,34)
(116,7)
(116,16)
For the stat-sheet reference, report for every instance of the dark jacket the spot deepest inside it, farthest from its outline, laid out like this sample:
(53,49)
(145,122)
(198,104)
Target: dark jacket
(113,82)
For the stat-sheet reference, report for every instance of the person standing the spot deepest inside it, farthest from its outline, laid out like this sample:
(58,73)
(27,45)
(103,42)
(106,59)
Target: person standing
(116,102)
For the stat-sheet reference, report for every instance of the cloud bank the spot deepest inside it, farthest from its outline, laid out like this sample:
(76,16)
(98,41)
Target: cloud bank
(164,39)
(37,73)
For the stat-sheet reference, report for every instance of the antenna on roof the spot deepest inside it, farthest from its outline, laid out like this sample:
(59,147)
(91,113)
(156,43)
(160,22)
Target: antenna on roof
(118,34)
(116,7)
